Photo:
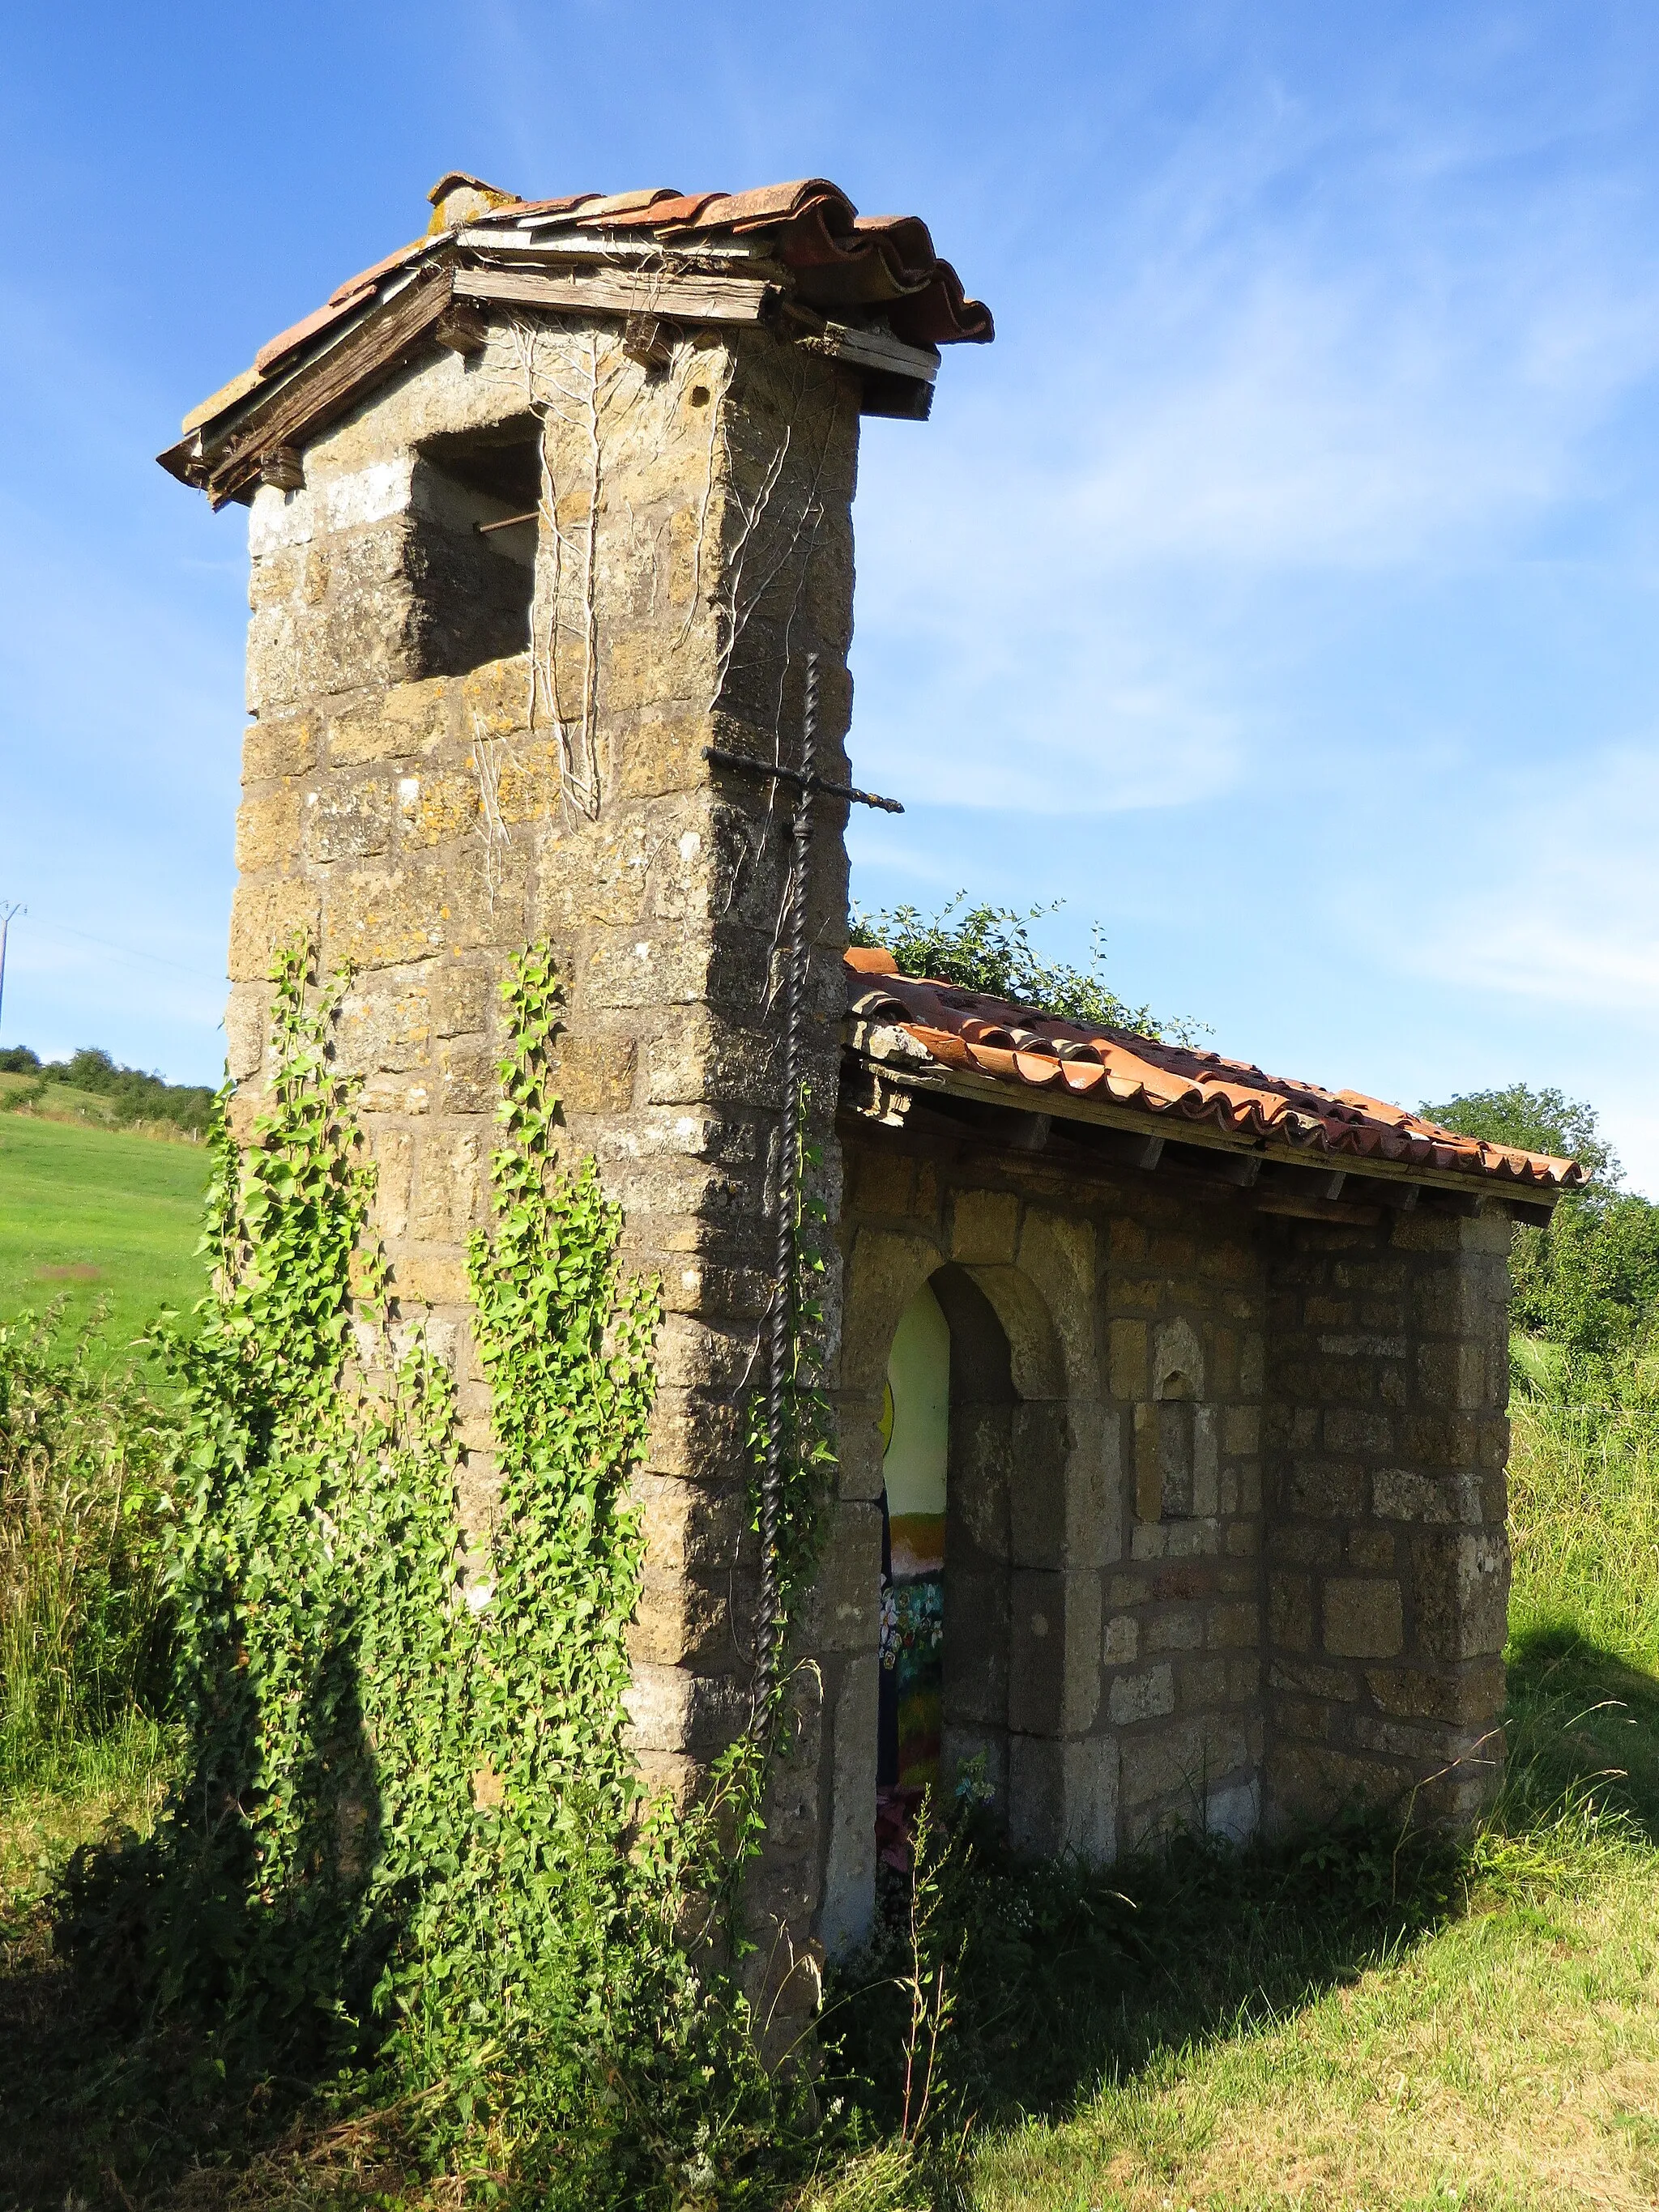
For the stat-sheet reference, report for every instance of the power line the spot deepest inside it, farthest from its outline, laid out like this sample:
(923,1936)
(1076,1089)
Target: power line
(126,951)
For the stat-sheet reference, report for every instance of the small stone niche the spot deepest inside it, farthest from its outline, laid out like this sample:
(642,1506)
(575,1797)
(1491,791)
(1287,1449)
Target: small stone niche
(1175,1444)
(473,549)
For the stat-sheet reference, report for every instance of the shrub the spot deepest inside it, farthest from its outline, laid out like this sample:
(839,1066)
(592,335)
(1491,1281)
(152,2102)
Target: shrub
(1588,1282)
(989,948)
(133,1095)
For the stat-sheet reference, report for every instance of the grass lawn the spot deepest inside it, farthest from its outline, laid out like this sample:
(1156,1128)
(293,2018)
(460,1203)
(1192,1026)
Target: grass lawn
(90,1214)
(1506,2060)
(1510,2059)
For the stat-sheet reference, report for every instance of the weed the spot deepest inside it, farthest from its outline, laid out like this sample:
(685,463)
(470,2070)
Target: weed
(87,1471)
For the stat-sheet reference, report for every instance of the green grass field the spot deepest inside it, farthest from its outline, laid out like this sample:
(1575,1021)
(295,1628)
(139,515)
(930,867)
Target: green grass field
(92,1215)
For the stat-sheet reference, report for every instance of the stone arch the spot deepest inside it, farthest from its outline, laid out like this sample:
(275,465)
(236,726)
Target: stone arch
(1026,1532)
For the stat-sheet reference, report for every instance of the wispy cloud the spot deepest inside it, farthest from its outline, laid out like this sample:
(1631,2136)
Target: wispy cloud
(1558,895)
(1087,586)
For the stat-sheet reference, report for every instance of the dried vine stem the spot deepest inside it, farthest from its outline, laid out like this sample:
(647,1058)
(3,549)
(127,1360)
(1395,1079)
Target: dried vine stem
(566,383)
(488,755)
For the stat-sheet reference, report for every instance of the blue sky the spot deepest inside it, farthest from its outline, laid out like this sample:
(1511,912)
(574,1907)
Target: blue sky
(1278,590)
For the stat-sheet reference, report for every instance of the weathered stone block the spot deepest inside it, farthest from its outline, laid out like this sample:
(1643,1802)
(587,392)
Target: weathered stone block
(1054,1647)
(1307,1678)
(688,1528)
(1181,1629)
(448,1197)
(1291,1612)
(1461,1582)
(1144,1697)
(434,808)
(1149,1469)
(348,821)
(985,1226)
(850,1869)
(268,831)
(1127,1362)
(678,1619)
(266,915)
(432,1279)
(388,1029)
(1063,1796)
(1233,1627)
(1325,1489)
(1473,1691)
(1370,1549)
(976,1650)
(1363,1618)
(840,1614)
(1184,1759)
(1127,1240)
(1404,1494)
(1242,1429)
(286,745)
(1122,1640)
(383,918)
(1039,1451)
(1201,1683)
(673,1709)
(248,1021)
(1306,1782)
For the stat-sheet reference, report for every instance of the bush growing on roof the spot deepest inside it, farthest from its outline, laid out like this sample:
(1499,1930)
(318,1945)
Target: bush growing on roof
(989,948)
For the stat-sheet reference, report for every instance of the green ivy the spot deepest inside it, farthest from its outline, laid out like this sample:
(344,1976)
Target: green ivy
(408,1831)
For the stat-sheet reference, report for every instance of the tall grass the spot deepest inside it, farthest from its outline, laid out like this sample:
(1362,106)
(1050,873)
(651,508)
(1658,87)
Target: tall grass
(1584,1524)
(88,1465)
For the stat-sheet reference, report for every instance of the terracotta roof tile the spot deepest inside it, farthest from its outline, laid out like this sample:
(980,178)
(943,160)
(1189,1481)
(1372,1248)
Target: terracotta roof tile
(1032,1051)
(839,260)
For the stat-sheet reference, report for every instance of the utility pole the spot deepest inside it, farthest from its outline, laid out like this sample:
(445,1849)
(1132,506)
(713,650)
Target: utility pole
(7,912)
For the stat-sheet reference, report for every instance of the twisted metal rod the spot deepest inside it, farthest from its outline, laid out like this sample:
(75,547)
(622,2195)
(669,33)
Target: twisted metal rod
(788,1189)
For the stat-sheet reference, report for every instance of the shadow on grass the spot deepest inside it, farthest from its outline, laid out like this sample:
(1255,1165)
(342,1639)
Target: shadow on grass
(1066,1978)
(1582,1721)
(138,2069)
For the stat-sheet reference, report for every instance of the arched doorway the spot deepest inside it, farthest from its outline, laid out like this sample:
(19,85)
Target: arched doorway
(949,1424)
(915,1431)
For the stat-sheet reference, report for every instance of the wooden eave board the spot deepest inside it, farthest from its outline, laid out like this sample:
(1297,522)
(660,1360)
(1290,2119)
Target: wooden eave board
(331,382)
(250,412)
(696,299)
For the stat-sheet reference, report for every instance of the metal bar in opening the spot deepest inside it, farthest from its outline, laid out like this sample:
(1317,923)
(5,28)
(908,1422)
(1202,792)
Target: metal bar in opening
(507,522)
(811,783)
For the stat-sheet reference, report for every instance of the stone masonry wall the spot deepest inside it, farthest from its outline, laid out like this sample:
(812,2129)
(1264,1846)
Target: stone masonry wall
(1255,1546)
(425,824)
(1131,1681)
(1387,1559)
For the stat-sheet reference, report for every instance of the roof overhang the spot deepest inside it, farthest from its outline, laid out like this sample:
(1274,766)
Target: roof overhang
(886,1076)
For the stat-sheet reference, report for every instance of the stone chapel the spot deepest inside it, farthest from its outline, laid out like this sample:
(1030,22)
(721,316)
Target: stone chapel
(1170,1395)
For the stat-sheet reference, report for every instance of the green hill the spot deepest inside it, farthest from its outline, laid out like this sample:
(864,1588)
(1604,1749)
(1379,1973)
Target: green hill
(89,1213)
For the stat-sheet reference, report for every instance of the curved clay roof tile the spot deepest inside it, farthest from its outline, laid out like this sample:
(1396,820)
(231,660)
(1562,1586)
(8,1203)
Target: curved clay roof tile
(1014,1045)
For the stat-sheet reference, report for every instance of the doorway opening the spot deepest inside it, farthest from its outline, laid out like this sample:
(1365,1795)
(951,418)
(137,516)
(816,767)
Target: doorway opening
(915,1434)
